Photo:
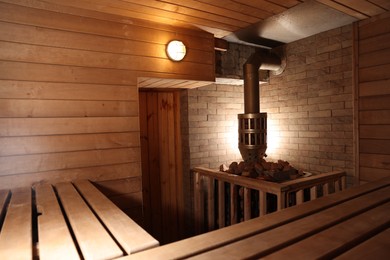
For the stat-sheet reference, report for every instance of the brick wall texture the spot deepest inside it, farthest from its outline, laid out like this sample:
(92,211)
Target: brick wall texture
(309,106)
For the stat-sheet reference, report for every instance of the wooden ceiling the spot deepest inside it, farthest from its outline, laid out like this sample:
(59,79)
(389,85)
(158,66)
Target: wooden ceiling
(219,17)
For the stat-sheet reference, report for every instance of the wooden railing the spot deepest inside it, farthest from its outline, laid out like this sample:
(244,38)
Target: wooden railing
(223,199)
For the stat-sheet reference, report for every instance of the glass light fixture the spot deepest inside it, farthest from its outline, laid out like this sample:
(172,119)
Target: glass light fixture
(176,50)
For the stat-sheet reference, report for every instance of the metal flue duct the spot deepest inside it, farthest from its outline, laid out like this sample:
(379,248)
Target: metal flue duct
(252,125)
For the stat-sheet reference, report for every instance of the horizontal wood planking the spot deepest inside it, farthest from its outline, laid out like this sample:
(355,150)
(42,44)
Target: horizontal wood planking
(69,96)
(374,27)
(58,126)
(147,32)
(380,161)
(69,108)
(65,143)
(374,102)
(12,89)
(380,117)
(375,58)
(37,37)
(67,160)
(121,186)
(95,173)
(375,131)
(379,72)
(373,174)
(373,98)
(91,59)
(375,146)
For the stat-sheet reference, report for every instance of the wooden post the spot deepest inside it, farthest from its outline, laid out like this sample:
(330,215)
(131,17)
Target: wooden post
(233,204)
(281,200)
(313,192)
(199,203)
(262,203)
(210,206)
(247,204)
(299,197)
(221,204)
(326,189)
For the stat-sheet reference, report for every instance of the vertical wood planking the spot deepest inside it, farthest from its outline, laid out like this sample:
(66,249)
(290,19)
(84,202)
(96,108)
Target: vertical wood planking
(179,167)
(154,164)
(164,164)
(146,178)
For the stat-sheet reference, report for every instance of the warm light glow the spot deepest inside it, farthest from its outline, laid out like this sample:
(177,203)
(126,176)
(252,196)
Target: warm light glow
(232,139)
(273,137)
(176,50)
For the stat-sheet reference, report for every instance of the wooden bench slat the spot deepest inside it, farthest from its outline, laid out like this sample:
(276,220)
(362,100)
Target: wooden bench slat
(329,242)
(55,240)
(377,247)
(93,239)
(269,241)
(3,198)
(16,234)
(205,242)
(128,233)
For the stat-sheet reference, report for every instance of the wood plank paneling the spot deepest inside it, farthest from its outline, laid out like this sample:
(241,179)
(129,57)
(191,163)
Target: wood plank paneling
(373,97)
(66,143)
(69,97)
(162,174)
(58,126)
(55,161)
(94,173)
(70,108)
(10,89)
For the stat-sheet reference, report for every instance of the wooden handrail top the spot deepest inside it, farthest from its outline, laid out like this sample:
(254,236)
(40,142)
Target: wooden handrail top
(314,180)
(272,187)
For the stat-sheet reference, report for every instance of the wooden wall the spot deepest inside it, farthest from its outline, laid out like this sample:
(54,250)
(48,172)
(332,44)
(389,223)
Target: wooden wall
(162,171)
(373,97)
(69,97)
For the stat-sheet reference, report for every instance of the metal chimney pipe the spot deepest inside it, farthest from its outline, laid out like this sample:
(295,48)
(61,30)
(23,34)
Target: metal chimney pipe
(258,60)
(252,127)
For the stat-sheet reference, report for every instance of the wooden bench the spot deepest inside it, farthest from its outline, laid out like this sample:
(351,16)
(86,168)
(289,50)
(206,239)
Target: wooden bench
(351,224)
(66,221)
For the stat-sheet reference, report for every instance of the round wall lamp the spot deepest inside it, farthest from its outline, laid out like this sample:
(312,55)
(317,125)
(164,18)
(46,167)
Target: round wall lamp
(176,50)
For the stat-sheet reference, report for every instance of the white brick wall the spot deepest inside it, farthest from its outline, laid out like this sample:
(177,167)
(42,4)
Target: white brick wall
(309,109)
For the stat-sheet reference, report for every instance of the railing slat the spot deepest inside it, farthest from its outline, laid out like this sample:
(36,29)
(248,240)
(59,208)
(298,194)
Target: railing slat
(318,184)
(313,192)
(199,203)
(299,197)
(262,203)
(211,211)
(221,204)
(247,204)
(281,200)
(233,204)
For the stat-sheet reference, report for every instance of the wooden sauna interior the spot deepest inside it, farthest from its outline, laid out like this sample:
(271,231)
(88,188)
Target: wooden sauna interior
(88,92)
